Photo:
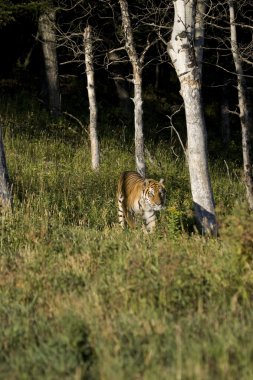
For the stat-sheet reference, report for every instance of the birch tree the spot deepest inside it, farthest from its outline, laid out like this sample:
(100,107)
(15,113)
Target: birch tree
(185,50)
(137,65)
(243,109)
(48,37)
(87,37)
(5,192)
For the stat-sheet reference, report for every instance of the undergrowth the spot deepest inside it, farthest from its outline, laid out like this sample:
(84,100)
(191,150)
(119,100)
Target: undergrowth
(82,299)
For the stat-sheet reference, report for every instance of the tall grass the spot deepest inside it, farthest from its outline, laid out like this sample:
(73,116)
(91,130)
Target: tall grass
(82,299)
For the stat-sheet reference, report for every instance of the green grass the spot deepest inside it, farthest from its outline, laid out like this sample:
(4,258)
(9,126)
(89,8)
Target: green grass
(82,299)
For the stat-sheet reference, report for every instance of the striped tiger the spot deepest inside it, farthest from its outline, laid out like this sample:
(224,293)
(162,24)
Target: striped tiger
(137,195)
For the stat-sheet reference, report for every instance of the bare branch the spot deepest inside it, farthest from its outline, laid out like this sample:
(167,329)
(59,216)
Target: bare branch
(77,120)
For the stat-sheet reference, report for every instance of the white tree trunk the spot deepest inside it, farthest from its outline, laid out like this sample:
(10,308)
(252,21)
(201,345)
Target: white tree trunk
(138,122)
(199,33)
(95,156)
(5,193)
(137,80)
(47,33)
(184,58)
(244,112)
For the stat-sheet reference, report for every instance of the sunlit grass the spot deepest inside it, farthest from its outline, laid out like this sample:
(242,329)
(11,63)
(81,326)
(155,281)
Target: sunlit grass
(82,299)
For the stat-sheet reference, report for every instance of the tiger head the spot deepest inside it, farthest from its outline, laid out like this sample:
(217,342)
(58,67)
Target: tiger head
(154,194)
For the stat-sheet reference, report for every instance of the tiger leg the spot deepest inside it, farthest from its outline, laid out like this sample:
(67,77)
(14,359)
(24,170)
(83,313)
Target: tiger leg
(149,220)
(130,219)
(121,214)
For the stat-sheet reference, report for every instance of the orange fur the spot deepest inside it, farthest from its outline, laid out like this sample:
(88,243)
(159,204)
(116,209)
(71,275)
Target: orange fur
(137,195)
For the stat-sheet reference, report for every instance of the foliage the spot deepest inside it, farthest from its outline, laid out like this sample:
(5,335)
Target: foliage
(82,299)
(5,13)
(10,10)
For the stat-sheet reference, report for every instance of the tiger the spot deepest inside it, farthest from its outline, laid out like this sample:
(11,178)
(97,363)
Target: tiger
(139,195)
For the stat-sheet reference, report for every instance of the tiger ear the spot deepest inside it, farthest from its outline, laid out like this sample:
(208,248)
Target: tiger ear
(161,181)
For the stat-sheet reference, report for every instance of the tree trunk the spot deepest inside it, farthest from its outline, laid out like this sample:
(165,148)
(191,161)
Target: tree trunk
(244,112)
(138,122)
(5,193)
(199,33)
(137,80)
(87,36)
(48,37)
(188,67)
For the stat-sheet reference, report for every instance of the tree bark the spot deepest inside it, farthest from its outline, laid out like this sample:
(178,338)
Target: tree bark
(244,111)
(137,80)
(48,37)
(187,63)
(95,156)
(5,192)
(138,121)
(199,13)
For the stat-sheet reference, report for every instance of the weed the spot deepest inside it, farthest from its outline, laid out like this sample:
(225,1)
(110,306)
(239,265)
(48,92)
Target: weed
(82,299)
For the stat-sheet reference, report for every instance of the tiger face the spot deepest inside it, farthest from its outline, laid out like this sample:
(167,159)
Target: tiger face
(154,194)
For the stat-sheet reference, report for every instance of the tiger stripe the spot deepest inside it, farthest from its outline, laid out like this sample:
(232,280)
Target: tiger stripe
(137,195)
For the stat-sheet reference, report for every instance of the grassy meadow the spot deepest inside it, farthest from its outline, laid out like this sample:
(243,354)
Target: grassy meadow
(82,299)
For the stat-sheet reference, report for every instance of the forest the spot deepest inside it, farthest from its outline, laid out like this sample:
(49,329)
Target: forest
(90,89)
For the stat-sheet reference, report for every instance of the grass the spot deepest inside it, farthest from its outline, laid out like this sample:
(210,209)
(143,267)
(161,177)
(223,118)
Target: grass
(82,299)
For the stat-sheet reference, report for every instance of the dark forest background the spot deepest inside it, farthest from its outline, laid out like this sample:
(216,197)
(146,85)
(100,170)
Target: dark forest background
(22,66)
